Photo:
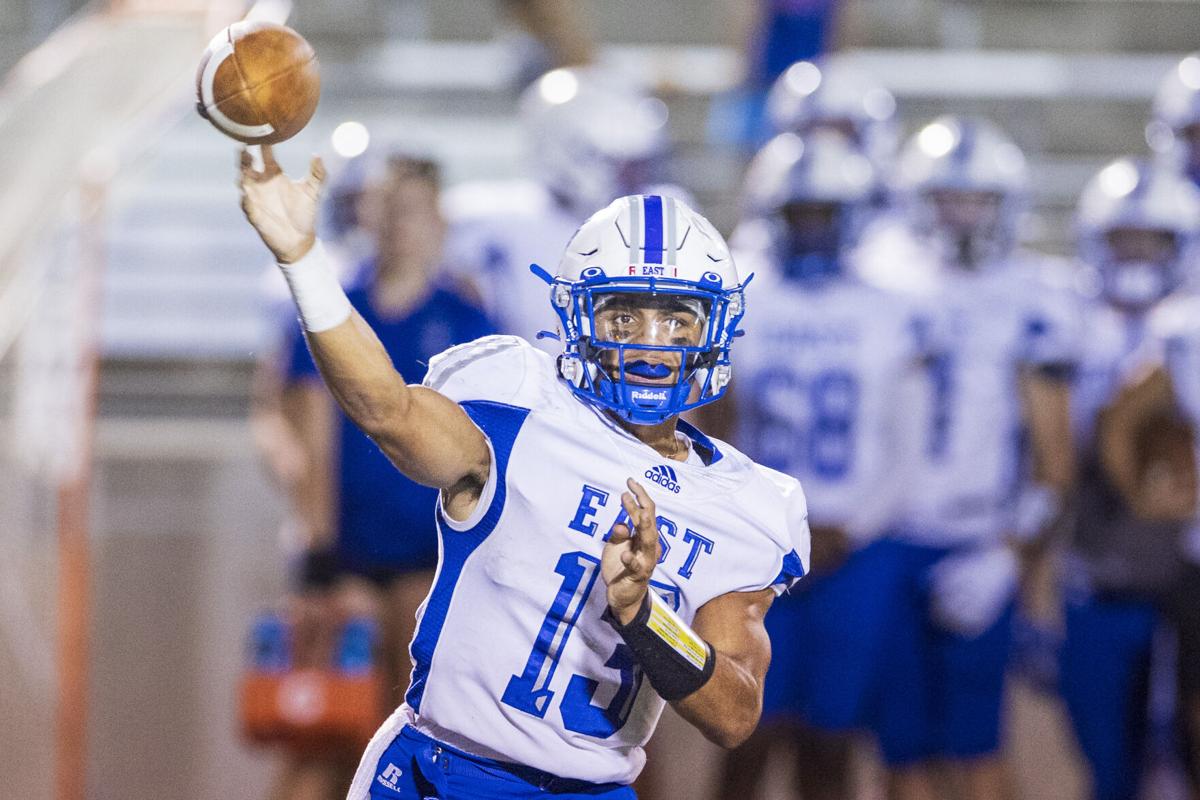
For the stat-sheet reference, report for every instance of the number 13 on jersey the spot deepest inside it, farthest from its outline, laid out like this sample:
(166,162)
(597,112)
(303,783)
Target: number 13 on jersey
(530,691)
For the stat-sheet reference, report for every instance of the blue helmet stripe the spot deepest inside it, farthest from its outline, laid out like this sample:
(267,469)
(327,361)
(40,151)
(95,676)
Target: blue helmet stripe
(653,249)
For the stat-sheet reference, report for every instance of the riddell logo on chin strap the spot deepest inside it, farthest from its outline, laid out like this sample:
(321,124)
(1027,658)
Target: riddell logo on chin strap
(664,476)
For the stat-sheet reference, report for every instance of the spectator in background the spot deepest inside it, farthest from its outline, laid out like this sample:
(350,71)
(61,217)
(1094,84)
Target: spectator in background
(1137,224)
(553,35)
(775,34)
(367,533)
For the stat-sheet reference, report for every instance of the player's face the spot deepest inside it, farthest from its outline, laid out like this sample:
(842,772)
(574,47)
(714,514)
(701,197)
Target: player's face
(653,319)
(402,210)
(812,227)
(966,213)
(1139,245)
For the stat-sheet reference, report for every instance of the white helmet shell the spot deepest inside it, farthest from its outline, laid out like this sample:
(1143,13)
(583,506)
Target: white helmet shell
(1177,102)
(964,154)
(969,154)
(1132,193)
(820,168)
(585,127)
(649,236)
(833,93)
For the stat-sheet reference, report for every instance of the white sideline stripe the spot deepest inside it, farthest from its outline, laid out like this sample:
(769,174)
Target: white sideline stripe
(210,107)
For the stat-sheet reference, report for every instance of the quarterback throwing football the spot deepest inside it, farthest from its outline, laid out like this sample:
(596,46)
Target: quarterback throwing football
(599,556)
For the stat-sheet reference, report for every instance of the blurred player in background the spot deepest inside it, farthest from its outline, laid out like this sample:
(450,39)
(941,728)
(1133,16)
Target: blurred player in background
(592,136)
(1002,348)
(1175,126)
(526,452)
(829,96)
(367,532)
(1138,226)
(818,396)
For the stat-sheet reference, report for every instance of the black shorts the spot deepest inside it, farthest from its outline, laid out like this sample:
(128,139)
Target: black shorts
(1186,610)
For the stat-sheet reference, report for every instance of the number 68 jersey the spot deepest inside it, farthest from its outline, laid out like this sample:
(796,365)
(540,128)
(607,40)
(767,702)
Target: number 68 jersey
(512,659)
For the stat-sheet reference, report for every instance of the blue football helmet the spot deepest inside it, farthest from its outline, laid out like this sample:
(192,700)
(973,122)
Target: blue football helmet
(649,302)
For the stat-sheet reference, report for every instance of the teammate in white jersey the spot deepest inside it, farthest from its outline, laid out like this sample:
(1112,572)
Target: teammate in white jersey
(592,137)
(820,379)
(1003,346)
(1137,225)
(591,543)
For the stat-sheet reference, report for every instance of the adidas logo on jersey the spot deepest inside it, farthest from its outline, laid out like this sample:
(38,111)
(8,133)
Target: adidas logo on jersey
(391,774)
(664,476)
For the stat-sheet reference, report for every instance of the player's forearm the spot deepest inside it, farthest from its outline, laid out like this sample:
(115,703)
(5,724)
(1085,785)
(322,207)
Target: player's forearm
(1117,450)
(360,375)
(1048,409)
(727,708)
(1119,425)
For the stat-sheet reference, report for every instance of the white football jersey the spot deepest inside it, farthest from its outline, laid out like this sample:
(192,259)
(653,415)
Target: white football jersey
(512,659)
(816,384)
(991,325)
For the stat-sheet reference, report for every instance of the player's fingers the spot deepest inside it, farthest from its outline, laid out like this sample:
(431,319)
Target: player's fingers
(245,160)
(316,175)
(620,533)
(636,514)
(270,165)
(647,524)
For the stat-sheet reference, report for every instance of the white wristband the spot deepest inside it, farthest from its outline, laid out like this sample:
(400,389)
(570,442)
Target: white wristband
(315,288)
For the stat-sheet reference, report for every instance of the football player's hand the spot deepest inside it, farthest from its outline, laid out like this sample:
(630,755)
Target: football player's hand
(630,556)
(283,211)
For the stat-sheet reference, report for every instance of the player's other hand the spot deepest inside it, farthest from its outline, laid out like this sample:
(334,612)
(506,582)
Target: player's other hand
(283,211)
(630,556)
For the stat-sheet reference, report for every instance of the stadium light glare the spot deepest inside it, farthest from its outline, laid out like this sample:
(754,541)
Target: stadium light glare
(1189,72)
(803,77)
(937,139)
(656,111)
(350,139)
(558,86)
(1118,179)
(879,104)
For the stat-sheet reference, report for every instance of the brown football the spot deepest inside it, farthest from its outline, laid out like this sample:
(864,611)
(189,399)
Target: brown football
(258,82)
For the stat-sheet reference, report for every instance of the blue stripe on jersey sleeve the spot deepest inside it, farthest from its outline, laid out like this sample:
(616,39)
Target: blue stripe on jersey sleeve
(793,570)
(501,423)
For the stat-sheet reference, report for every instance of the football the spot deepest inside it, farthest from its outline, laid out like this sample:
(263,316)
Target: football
(258,82)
